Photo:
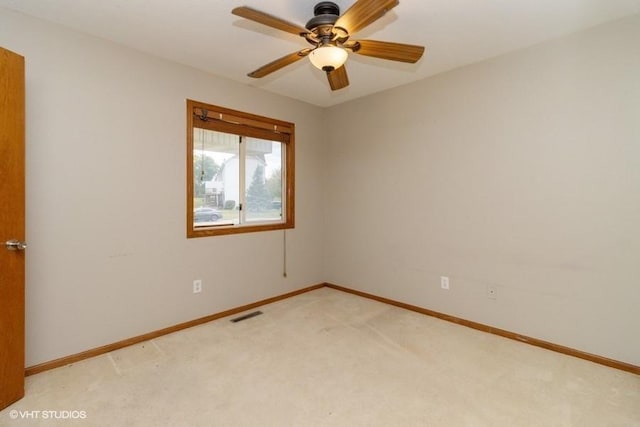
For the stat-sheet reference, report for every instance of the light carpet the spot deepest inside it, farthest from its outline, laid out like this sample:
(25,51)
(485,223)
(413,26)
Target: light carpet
(328,358)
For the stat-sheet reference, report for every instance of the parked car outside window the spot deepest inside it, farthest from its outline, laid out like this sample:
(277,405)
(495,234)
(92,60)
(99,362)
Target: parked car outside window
(206,215)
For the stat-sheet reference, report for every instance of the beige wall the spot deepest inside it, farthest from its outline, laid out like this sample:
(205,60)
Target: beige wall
(108,258)
(521,172)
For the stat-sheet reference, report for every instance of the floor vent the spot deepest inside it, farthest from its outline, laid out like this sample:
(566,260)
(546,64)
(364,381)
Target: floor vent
(246,316)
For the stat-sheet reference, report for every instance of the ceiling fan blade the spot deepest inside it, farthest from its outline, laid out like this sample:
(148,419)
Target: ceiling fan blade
(363,13)
(387,50)
(338,78)
(269,20)
(279,63)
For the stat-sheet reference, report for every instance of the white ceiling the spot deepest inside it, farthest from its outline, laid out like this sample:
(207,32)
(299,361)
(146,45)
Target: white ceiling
(205,35)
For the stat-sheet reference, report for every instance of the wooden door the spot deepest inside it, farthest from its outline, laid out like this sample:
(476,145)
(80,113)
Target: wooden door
(12,210)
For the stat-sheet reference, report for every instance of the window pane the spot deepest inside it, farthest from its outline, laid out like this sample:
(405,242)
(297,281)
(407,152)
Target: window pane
(216,183)
(263,180)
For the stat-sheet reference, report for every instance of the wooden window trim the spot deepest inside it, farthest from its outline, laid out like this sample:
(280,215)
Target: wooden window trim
(245,124)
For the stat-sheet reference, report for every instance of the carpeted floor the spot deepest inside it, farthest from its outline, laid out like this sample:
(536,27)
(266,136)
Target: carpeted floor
(328,358)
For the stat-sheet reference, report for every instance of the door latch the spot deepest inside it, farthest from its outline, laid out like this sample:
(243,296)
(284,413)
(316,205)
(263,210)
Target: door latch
(15,245)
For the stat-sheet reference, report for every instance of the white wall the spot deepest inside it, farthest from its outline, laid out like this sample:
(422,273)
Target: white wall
(521,172)
(106,206)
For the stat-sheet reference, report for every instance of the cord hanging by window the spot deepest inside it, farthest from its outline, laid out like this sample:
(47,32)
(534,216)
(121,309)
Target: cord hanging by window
(284,253)
(202,155)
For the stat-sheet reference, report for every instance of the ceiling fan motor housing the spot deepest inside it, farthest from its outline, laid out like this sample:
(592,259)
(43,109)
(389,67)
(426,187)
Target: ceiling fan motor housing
(325,13)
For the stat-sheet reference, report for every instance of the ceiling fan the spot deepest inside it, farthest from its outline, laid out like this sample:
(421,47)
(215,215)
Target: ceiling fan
(329,32)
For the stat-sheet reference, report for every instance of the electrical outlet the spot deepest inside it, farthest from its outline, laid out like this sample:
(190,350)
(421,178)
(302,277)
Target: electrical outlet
(492,292)
(444,282)
(197,286)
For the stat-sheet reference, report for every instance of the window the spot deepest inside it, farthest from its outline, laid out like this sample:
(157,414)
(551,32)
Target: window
(240,170)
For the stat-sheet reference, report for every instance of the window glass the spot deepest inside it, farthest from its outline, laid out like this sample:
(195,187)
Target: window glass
(216,166)
(263,180)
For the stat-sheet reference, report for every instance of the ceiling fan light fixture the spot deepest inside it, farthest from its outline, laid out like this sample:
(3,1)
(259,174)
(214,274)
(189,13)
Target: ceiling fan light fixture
(328,57)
